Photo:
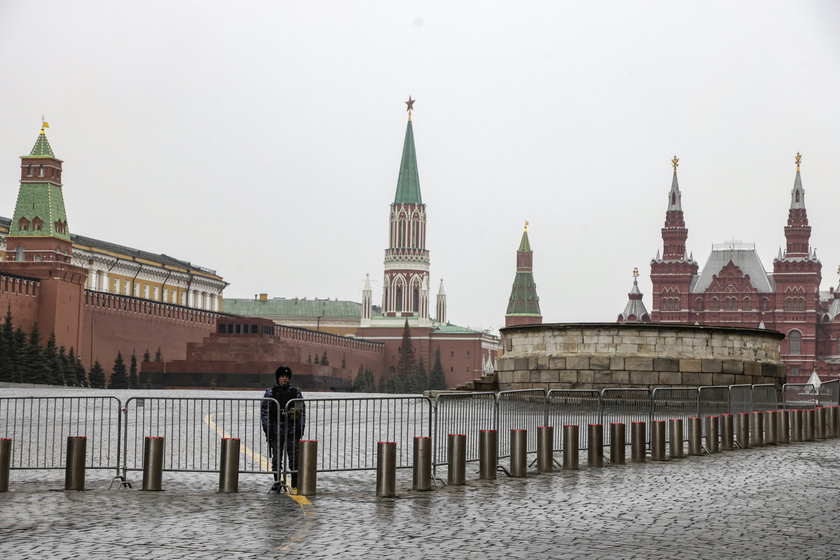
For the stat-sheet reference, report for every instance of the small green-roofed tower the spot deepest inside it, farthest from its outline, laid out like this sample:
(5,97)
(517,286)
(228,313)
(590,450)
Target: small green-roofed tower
(39,231)
(524,304)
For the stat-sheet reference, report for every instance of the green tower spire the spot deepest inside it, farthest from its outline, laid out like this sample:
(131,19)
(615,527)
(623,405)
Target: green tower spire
(524,304)
(408,183)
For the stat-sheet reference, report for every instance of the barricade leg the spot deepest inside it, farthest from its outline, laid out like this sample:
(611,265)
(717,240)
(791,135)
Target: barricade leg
(657,440)
(756,429)
(488,454)
(519,453)
(770,425)
(229,467)
(712,435)
(74,475)
(457,460)
(695,436)
(808,425)
(638,442)
(545,449)
(5,463)
(595,450)
(743,430)
(727,432)
(571,447)
(152,463)
(386,469)
(795,426)
(677,451)
(617,443)
(308,467)
(783,426)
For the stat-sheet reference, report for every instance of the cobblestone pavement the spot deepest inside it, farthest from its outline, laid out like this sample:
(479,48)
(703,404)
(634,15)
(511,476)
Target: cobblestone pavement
(769,502)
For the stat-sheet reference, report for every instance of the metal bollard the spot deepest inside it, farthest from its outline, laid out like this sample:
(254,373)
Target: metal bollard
(638,442)
(518,453)
(74,474)
(617,443)
(808,425)
(756,429)
(571,447)
(832,421)
(229,466)
(422,472)
(657,440)
(712,436)
(595,450)
(386,469)
(153,463)
(545,449)
(770,427)
(457,460)
(783,426)
(795,425)
(5,463)
(727,432)
(695,436)
(488,454)
(308,467)
(819,422)
(743,430)
(677,450)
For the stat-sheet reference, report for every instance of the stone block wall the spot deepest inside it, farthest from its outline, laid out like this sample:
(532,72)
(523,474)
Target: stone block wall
(608,355)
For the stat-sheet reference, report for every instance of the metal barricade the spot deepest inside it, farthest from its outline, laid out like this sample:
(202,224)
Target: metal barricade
(830,393)
(348,429)
(713,400)
(192,429)
(578,407)
(764,398)
(740,398)
(462,413)
(40,426)
(626,406)
(520,410)
(799,396)
(674,403)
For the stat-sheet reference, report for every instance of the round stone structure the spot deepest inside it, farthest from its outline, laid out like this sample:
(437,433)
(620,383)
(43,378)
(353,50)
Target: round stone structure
(608,355)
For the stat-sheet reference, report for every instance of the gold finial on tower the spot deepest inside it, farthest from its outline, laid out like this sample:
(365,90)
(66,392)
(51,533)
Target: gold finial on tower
(635,273)
(410,106)
(675,162)
(798,161)
(44,124)
(526,228)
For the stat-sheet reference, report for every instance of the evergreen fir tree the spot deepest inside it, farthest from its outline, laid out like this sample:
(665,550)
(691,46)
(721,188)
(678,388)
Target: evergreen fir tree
(146,356)
(37,369)
(437,378)
(359,381)
(7,350)
(55,367)
(421,379)
(324,360)
(344,361)
(81,375)
(158,355)
(309,359)
(370,382)
(96,376)
(69,361)
(119,378)
(20,350)
(317,360)
(133,379)
(382,385)
(407,365)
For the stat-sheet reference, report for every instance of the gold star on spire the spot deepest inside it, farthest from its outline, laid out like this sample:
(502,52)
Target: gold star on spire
(675,162)
(410,106)
(798,160)
(526,225)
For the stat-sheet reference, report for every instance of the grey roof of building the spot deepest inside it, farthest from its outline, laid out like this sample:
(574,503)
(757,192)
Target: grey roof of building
(745,259)
(294,307)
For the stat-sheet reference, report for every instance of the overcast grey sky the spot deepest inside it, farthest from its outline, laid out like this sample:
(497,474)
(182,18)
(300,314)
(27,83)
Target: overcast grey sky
(263,139)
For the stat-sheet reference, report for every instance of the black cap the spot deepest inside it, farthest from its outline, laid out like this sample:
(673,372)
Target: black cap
(283,370)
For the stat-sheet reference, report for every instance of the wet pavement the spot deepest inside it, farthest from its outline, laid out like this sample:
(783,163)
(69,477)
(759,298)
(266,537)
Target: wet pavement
(769,502)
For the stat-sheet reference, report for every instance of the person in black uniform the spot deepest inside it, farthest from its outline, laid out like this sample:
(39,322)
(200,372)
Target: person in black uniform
(280,424)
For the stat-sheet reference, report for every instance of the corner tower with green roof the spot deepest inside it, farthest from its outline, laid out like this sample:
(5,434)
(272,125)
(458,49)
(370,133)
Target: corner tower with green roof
(405,291)
(39,231)
(524,304)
